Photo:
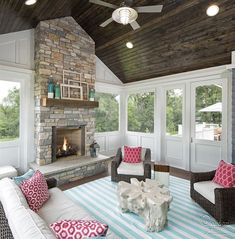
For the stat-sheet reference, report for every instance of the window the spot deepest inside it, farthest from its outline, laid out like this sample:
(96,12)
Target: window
(107,115)
(174,104)
(208,112)
(9,110)
(141,112)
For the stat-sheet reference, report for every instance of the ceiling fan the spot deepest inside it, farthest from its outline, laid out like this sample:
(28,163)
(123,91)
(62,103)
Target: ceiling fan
(125,13)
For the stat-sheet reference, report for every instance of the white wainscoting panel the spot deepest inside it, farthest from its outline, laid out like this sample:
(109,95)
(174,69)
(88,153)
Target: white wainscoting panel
(17,49)
(10,154)
(174,152)
(143,140)
(206,157)
(109,141)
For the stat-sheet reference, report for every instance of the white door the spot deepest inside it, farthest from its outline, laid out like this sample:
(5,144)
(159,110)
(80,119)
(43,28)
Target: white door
(173,143)
(208,128)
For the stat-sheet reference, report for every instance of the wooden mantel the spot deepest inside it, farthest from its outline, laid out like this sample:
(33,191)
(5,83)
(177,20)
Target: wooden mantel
(46,102)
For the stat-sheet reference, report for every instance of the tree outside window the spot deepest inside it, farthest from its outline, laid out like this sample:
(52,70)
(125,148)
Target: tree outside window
(107,115)
(9,110)
(174,104)
(141,112)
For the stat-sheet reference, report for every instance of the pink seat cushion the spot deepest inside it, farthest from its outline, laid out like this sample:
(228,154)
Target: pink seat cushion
(78,229)
(225,175)
(35,191)
(132,154)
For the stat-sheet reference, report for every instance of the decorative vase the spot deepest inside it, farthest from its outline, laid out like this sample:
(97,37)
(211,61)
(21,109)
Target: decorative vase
(50,88)
(92,94)
(57,91)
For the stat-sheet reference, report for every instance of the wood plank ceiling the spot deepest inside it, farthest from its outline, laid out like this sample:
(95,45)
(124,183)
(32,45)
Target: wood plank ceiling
(181,38)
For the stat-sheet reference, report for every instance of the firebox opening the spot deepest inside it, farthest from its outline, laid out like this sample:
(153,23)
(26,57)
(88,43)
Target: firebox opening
(68,141)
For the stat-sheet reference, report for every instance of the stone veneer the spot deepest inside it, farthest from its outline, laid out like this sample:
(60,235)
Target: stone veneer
(60,44)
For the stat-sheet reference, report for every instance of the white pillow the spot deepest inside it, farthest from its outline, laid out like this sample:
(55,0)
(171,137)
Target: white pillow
(11,196)
(143,151)
(26,224)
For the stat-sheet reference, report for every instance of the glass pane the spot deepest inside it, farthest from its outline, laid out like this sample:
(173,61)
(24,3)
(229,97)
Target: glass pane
(208,112)
(141,112)
(9,110)
(107,115)
(174,104)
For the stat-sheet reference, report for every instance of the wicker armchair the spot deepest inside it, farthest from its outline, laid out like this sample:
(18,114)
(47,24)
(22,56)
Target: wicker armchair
(115,177)
(224,208)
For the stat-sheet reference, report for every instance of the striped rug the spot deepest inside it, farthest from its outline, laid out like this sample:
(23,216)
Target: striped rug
(185,218)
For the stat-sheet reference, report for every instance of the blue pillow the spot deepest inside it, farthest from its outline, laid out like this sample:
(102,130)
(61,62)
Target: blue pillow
(19,179)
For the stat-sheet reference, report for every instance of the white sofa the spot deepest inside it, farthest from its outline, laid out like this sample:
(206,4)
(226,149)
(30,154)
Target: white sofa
(26,224)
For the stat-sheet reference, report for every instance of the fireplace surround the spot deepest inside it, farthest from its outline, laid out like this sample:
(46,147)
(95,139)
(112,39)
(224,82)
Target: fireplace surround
(61,44)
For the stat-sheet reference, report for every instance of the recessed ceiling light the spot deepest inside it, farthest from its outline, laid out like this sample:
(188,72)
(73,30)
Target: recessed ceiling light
(212,10)
(30,2)
(129,45)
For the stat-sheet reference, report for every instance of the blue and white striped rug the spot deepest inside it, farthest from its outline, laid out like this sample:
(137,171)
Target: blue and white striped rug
(186,219)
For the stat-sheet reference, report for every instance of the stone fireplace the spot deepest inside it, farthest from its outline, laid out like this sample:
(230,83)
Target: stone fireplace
(68,142)
(61,44)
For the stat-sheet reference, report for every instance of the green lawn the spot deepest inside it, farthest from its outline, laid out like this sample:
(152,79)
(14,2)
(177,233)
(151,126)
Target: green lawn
(7,139)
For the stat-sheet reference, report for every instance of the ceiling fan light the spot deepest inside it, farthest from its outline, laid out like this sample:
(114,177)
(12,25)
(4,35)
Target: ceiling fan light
(30,2)
(212,10)
(124,14)
(129,45)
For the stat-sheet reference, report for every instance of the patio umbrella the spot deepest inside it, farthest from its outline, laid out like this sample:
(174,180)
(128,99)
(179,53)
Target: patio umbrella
(217,107)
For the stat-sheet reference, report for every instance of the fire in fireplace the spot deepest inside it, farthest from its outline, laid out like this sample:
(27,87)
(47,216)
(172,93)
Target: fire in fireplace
(66,149)
(68,141)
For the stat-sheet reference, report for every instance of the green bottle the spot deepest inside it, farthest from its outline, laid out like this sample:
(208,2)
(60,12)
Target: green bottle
(92,94)
(57,91)
(50,88)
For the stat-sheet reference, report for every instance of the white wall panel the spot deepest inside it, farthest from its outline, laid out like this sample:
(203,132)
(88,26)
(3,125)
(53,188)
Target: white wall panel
(10,154)
(207,155)
(17,49)
(113,142)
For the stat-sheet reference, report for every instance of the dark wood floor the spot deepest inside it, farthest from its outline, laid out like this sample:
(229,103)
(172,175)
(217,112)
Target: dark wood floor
(173,171)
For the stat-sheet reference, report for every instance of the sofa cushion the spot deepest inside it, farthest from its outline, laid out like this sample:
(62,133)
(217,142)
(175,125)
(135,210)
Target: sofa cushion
(35,190)
(225,174)
(132,154)
(131,168)
(143,152)
(11,196)
(19,179)
(79,229)
(60,207)
(207,189)
(26,224)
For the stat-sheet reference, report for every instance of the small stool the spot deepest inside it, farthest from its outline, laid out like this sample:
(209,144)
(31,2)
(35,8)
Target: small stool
(7,171)
(162,173)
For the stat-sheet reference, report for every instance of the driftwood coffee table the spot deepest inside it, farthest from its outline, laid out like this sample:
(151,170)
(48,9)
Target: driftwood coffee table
(148,199)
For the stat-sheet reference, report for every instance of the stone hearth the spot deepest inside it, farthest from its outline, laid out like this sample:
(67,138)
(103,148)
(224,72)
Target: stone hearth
(61,44)
(66,171)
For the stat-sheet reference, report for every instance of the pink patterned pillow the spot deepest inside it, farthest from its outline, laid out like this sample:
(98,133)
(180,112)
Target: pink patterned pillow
(225,174)
(78,229)
(132,154)
(35,191)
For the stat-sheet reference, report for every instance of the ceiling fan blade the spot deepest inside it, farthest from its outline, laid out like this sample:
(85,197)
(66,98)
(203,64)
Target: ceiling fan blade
(102,3)
(146,9)
(104,24)
(135,25)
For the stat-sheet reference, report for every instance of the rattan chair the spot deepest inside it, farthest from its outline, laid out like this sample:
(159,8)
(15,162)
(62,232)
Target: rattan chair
(224,208)
(115,177)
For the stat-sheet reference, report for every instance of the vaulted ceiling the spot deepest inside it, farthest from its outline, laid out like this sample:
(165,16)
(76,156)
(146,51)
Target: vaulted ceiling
(180,38)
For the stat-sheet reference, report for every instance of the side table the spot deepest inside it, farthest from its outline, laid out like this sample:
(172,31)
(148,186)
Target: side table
(162,172)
